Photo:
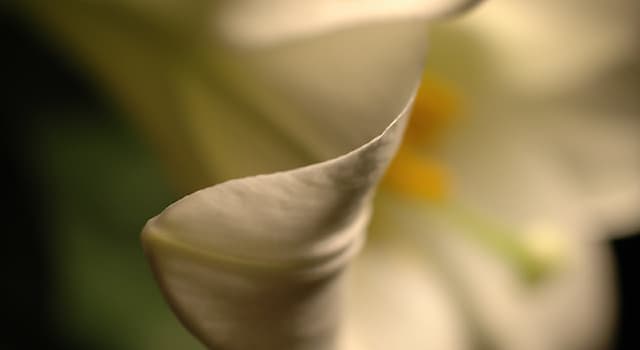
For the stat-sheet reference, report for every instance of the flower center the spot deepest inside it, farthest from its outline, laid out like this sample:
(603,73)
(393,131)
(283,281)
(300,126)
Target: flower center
(415,173)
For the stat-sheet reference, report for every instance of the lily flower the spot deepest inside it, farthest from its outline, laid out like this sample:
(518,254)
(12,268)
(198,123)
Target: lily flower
(294,110)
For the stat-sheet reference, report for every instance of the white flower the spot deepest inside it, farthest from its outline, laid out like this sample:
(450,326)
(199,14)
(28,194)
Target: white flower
(253,88)
(234,90)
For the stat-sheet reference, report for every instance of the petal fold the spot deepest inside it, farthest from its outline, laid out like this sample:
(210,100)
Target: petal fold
(263,256)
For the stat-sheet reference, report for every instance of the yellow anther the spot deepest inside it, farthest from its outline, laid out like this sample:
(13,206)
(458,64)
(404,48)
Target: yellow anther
(414,175)
(414,172)
(435,108)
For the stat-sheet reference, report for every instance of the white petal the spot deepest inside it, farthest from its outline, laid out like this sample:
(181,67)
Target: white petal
(600,157)
(277,107)
(498,173)
(566,153)
(573,309)
(561,164)
(399,299)
(256,23)
(544,47)
(256,262)
(332,93)
(555,165)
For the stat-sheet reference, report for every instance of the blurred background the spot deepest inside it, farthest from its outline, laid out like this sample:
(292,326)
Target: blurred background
(80,184)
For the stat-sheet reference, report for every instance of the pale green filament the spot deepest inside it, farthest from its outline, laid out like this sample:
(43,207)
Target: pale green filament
(533,255)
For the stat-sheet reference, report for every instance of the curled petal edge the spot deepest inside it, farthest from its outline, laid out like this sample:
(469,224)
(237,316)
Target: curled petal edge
(264,255)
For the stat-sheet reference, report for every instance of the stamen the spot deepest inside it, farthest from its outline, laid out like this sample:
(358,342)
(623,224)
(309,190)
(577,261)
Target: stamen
(534,255)
(435,109)
(412,172)
(414,175)
(417,175)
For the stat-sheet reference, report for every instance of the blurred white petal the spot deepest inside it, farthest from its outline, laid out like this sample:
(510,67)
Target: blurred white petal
(553,165)
(547,46)
(554,135)
(256,23)
(199,98)
(399,297)
(573,309)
